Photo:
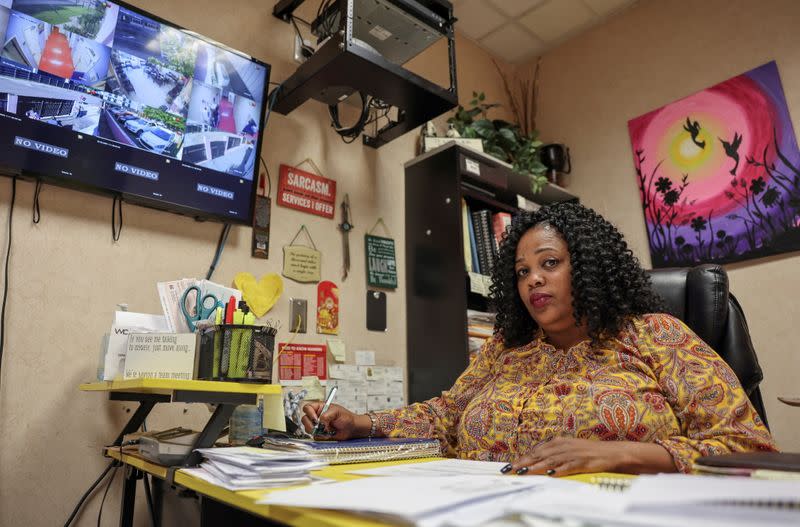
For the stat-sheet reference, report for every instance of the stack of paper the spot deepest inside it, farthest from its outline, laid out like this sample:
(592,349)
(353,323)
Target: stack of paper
(667,500)
(244,468)
(424,501)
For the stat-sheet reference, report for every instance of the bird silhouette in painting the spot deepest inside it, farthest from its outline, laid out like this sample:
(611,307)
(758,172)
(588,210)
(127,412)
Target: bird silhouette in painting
(694,129)
(732,150)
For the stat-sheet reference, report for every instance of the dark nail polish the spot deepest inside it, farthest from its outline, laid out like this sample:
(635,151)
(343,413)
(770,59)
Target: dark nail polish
(522,471)
(506,469)
(550,472)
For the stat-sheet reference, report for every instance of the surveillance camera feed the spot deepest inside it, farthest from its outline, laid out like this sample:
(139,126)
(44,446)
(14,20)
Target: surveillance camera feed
(101,94)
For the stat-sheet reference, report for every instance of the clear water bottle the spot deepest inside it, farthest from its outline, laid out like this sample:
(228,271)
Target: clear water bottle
(246,423)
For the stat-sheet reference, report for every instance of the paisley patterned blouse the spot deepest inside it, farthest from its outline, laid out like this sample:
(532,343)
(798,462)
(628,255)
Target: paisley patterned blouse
(657,381)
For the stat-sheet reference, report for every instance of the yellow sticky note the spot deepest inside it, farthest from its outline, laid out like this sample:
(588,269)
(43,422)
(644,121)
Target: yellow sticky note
(273,418)
(336,347)
(314,389)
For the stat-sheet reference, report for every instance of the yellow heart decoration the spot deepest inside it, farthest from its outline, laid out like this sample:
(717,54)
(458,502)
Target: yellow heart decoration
(260,295)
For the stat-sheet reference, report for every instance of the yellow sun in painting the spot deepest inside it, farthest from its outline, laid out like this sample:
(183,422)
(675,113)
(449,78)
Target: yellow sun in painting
(686,153)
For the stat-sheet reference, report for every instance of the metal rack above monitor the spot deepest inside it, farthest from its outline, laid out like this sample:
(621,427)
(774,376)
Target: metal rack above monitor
(348,62)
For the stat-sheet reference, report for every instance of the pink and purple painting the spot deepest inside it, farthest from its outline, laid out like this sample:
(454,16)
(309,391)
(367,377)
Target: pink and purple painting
(719,173)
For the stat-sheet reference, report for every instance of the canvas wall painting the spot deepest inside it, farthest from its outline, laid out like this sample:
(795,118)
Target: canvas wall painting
(719,173)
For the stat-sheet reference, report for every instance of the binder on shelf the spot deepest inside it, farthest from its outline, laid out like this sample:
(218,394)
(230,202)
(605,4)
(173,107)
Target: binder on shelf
(473,244)
(484,235)
(465,221)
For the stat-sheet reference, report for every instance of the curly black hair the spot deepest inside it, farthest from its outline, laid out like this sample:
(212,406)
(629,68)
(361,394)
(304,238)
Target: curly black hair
(608,283)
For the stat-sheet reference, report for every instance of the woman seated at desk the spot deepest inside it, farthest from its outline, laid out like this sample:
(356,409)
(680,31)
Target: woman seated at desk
(583,374)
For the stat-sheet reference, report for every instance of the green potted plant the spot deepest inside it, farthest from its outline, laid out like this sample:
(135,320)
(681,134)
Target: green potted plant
(501,139)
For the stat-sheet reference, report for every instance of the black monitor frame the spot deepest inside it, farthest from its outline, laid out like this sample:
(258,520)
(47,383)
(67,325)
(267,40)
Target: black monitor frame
(164,205)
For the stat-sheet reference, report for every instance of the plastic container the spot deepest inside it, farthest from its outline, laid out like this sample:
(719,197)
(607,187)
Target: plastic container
(237,353)
(246,422)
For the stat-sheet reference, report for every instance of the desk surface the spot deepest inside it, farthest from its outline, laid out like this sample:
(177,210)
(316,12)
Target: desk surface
(167,386)
(246,499)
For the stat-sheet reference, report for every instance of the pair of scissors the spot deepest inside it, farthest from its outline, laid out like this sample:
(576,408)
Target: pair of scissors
(204,306)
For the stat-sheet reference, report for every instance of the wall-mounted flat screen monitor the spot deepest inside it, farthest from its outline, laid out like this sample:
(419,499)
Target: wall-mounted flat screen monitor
(105,97)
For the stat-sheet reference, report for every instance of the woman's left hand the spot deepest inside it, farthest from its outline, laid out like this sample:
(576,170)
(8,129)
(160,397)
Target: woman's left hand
(566,456)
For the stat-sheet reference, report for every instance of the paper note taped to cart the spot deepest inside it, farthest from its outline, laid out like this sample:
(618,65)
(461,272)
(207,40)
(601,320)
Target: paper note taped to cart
(160,356)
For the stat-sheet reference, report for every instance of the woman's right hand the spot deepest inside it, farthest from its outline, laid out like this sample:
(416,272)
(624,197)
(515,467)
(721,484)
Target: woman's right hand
(338,419)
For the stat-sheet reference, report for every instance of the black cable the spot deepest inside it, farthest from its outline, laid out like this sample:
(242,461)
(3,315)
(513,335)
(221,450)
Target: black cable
(269,177)
(351,133)
(148,494)
(5,280)
(102,502)
(325,26)
(114,232)
(271,98)
(293,19)
(302,20)
(223,236)
(86,494)
(37,215)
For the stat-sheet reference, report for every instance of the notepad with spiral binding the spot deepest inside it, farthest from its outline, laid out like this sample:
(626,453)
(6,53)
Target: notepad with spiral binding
(360,450)
(785,461)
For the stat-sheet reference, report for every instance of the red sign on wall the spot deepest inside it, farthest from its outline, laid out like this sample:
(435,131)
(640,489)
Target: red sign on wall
(301,190)
(302,360)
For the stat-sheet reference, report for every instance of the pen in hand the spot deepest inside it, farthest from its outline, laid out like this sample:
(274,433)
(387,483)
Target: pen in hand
(328,401)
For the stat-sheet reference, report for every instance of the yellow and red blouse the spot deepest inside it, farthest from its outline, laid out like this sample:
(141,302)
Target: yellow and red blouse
(656,381)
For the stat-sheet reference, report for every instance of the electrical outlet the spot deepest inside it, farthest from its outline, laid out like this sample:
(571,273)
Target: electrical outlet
(297,318)
(302,49)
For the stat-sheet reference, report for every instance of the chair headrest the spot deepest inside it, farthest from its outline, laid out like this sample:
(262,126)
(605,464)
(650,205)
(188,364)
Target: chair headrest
(698,296)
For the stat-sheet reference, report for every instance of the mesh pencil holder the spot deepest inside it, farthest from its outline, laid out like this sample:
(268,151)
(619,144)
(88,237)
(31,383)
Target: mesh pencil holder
(237,353)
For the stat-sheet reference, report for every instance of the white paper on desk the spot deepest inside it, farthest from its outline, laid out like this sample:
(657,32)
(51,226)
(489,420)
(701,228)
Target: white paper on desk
(667,500)
(485,511)
(126,322)
(201,473)
(439,468)
(409,498)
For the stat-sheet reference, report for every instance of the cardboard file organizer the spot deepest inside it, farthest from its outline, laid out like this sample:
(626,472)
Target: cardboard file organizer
(237,353)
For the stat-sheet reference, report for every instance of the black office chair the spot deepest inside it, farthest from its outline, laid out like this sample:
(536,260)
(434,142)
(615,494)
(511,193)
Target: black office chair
(699,296)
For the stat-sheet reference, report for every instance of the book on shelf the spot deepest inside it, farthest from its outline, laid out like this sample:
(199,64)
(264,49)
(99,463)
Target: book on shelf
(465,232)
(484,236)
(472,249)
(500,221)
(482,232)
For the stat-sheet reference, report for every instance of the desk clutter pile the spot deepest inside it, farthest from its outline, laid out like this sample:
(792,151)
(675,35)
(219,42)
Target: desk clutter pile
(247,468)
(470,493)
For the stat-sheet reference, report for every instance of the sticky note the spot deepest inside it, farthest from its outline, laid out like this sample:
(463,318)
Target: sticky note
(365,358)
(273,417)
(337,348)
(314,389)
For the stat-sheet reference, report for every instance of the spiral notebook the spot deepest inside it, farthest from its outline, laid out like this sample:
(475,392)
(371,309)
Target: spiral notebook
(360,450)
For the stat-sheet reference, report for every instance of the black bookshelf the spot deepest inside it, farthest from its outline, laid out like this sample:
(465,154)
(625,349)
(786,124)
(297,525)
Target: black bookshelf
(437,286)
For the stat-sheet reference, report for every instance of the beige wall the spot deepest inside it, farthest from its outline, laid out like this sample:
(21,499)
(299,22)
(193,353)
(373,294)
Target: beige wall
(655,53)
(67,275)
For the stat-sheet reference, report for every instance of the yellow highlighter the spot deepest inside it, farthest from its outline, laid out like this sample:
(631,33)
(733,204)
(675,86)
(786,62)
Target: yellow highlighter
(238,364)
(246,339)
(217,343)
